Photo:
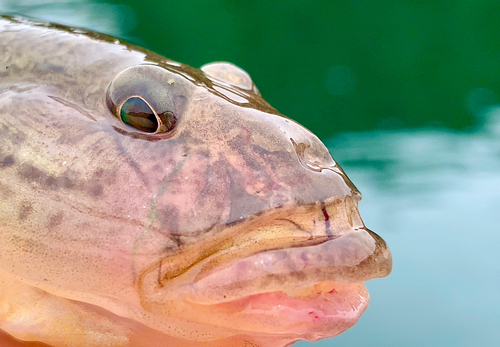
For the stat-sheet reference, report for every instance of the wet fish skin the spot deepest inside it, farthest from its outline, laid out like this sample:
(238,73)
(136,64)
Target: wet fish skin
(111,236)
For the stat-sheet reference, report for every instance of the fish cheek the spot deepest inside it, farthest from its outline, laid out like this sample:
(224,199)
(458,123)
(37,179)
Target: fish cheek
(195,199)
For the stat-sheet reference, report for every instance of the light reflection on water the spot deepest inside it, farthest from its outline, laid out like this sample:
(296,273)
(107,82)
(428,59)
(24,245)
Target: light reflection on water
(111,19)
(434,196)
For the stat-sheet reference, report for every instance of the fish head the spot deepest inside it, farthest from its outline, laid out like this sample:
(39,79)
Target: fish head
(169,200)
(266,233)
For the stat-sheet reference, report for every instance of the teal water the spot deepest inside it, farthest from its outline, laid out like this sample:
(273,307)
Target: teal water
(435,197)
(333,65)
(405,95)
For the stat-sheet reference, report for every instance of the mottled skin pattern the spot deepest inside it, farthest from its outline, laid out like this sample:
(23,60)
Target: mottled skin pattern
(110,236)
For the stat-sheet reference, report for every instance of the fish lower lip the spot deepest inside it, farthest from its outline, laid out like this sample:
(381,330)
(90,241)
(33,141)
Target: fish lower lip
(323,310)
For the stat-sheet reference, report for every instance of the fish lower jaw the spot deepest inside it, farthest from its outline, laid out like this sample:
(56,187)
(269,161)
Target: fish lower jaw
(330,300)
(322,310)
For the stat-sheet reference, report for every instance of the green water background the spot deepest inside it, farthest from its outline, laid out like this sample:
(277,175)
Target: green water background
(404,93)
(334,66)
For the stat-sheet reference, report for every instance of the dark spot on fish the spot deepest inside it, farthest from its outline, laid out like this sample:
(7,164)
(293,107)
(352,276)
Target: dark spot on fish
(52,68)
(251,162)
(95,190)
(264,152)
(66,182)
(158,168)
(6,133)
(25,210)
(327,220)
(13,67)
(240,145)
(7,161)
(55,220)
(169,219)
(247,204)
(35,175)
(273,159)
(300,276)
(105,177)
(304,258)
(274,278)
(58,182)
(31,173)
(51,182)
(325,214)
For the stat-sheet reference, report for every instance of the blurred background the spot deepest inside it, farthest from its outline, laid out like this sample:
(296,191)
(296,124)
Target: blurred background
(406,96)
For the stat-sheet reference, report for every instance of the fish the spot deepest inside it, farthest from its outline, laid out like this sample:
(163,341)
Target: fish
(146,203)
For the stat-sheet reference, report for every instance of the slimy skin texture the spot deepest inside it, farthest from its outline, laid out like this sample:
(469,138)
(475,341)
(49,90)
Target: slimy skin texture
(228,224)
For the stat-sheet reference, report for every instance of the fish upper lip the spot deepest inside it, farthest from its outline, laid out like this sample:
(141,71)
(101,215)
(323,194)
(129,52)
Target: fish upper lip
(352,258)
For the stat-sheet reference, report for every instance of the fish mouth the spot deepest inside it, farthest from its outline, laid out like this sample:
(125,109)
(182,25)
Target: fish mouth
(296,272)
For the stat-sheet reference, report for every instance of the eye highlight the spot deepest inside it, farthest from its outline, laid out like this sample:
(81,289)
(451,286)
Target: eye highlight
(138,114)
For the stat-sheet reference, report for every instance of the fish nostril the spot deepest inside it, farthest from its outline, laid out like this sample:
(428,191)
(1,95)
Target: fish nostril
(312,158)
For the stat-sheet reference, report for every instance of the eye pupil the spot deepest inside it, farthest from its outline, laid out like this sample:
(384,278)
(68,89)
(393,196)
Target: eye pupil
(136,113)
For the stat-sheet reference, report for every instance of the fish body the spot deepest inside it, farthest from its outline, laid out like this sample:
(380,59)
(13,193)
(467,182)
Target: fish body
(145,203)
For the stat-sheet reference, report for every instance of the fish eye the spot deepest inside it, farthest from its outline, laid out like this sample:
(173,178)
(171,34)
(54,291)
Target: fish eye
(136,113)
(148,99)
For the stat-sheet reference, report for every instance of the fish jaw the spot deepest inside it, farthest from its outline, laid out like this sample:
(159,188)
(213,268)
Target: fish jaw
(321,311)
(311,289)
